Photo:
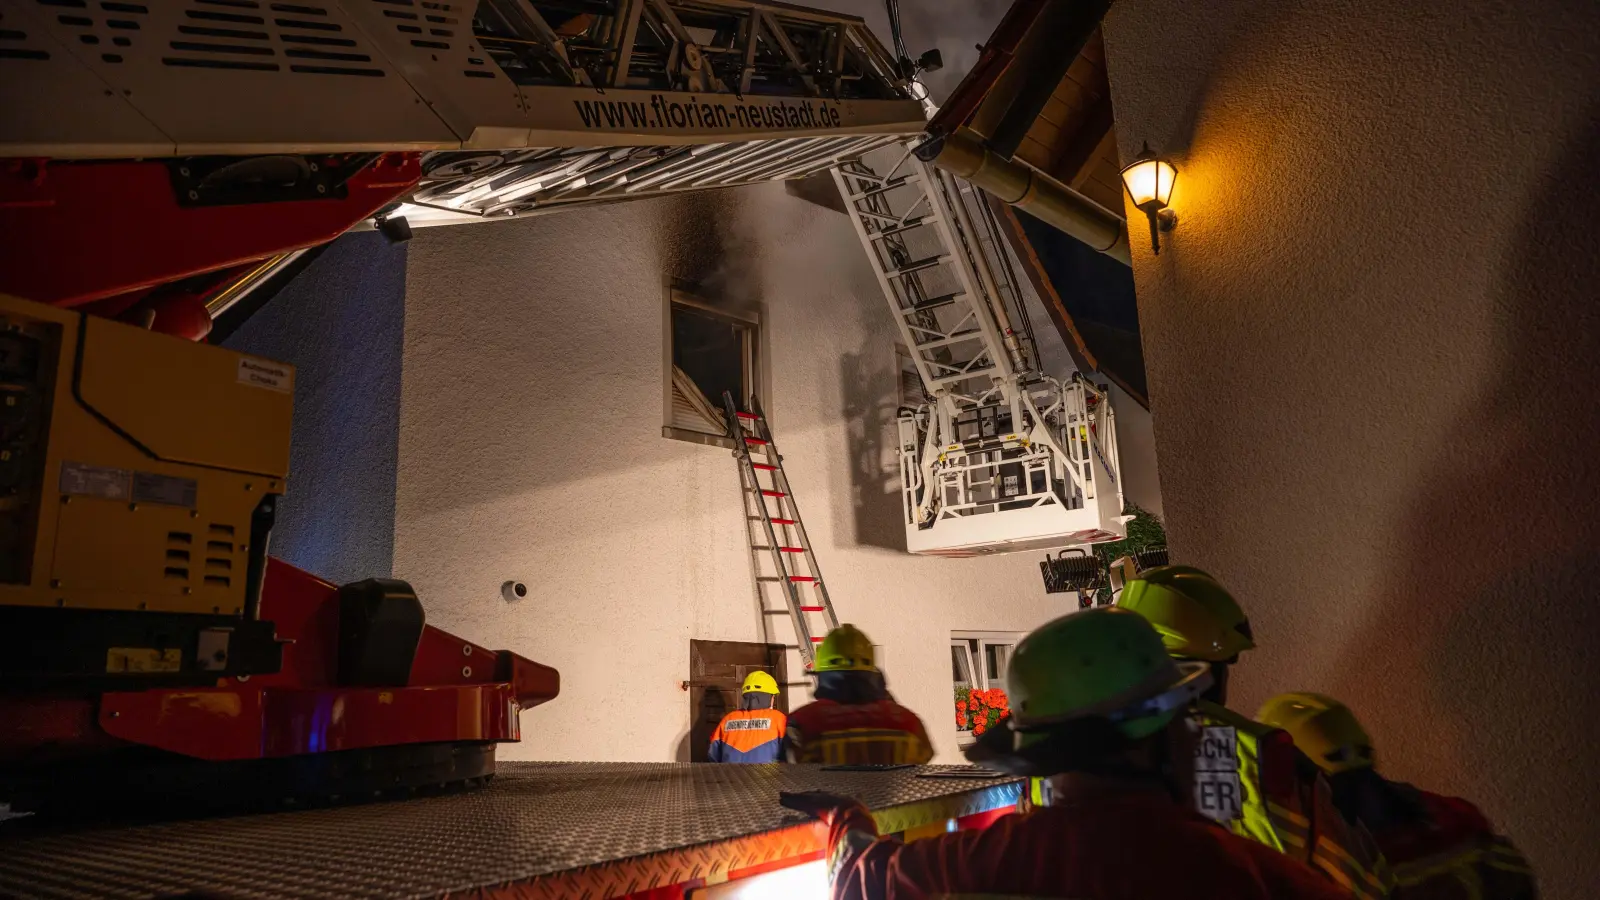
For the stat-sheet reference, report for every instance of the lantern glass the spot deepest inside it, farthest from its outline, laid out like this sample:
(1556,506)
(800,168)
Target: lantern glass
(1149,182)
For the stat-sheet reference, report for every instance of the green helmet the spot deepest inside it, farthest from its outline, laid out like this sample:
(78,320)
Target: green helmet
(1195,615)
(845,649)
(1091,673)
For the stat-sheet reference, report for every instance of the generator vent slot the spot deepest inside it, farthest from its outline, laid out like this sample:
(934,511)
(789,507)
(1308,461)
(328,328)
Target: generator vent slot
(13,44)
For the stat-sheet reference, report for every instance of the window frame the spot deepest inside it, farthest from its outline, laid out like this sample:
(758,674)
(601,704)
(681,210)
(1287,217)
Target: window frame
(976,644)
(754,361)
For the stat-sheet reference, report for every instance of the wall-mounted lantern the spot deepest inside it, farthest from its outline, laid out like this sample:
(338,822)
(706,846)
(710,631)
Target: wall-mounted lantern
(1149,180)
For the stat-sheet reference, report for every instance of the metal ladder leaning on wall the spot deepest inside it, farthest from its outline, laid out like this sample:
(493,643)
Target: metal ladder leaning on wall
(784,534)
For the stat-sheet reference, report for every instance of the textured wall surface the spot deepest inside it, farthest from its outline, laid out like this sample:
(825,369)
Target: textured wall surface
(531,448)
(1373,343)
(340,323)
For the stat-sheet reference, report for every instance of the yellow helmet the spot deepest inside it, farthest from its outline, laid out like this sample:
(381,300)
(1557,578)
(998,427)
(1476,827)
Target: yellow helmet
(759,682)
(845,649)
(1323,728)
(1195,615)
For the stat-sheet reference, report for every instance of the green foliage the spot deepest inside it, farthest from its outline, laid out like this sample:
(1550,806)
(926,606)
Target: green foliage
(1144,531)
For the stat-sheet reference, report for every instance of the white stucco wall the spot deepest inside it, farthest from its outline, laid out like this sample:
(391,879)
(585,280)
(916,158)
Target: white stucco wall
(1373,347)
(531,448)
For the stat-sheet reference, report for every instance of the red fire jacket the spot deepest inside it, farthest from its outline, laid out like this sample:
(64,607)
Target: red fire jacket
(1454,855)
(1128,846)
(879,733)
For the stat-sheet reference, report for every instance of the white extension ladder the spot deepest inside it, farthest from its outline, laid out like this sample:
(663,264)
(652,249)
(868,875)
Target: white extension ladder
(782,536)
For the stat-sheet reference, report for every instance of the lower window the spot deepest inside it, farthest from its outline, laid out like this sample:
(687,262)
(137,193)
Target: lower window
(978,663)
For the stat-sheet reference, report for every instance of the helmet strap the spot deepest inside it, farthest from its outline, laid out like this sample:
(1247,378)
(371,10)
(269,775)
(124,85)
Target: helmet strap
(1218,691)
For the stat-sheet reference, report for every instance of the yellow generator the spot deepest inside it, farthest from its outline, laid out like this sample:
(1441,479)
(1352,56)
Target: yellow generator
(139,478)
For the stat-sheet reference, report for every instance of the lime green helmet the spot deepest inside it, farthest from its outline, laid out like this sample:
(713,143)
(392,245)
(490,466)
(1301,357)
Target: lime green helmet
(1323,728)
(1102,665)
(845,649)
(1195,615)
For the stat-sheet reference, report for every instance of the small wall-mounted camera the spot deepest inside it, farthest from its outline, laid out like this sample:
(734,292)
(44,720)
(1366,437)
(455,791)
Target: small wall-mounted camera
(512,591)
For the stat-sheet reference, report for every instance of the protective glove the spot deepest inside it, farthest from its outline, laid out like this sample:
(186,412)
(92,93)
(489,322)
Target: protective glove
(822,804)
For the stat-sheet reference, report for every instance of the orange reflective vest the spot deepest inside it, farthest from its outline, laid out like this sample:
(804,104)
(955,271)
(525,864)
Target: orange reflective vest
(749,736)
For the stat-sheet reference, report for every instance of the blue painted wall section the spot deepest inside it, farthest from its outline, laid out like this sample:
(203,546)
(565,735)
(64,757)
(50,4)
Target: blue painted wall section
(341,324)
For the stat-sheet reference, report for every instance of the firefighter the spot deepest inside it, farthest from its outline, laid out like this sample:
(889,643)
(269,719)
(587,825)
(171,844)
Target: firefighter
(753,733)
(1436,846)
(853,720)
(1248,776)
(1097,709)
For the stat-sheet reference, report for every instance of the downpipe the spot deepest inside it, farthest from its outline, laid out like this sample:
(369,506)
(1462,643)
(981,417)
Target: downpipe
(961,153)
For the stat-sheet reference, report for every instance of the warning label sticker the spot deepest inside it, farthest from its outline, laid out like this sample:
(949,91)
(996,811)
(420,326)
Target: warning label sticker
(170,490)
(1218,794)
(83,480)
(264,373)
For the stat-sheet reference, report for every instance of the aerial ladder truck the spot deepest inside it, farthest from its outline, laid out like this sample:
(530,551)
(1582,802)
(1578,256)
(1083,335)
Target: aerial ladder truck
(161,159)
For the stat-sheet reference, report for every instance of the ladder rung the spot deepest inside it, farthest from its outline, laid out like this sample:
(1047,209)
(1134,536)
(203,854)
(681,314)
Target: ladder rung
(792,549)
(936,302)
(884,188)
(768,578)
(755,440)
(956,338)
(781,521)
(817,640)
(802,578)
(773,494)
(765,467)
(748,415)
(907,225)
(917,265)
(813,608)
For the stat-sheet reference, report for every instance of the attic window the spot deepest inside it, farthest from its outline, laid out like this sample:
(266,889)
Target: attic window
(710,351)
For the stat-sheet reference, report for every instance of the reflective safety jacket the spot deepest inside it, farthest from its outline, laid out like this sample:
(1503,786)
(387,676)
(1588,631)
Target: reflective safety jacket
(749,736)
(878,733)
(1250,778)
(1454,854)
(1128,846)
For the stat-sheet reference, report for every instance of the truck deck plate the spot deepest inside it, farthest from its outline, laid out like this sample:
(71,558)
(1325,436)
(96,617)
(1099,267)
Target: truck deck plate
(539,830)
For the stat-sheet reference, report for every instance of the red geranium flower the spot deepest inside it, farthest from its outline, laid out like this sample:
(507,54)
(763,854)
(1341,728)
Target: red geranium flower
(979,730)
